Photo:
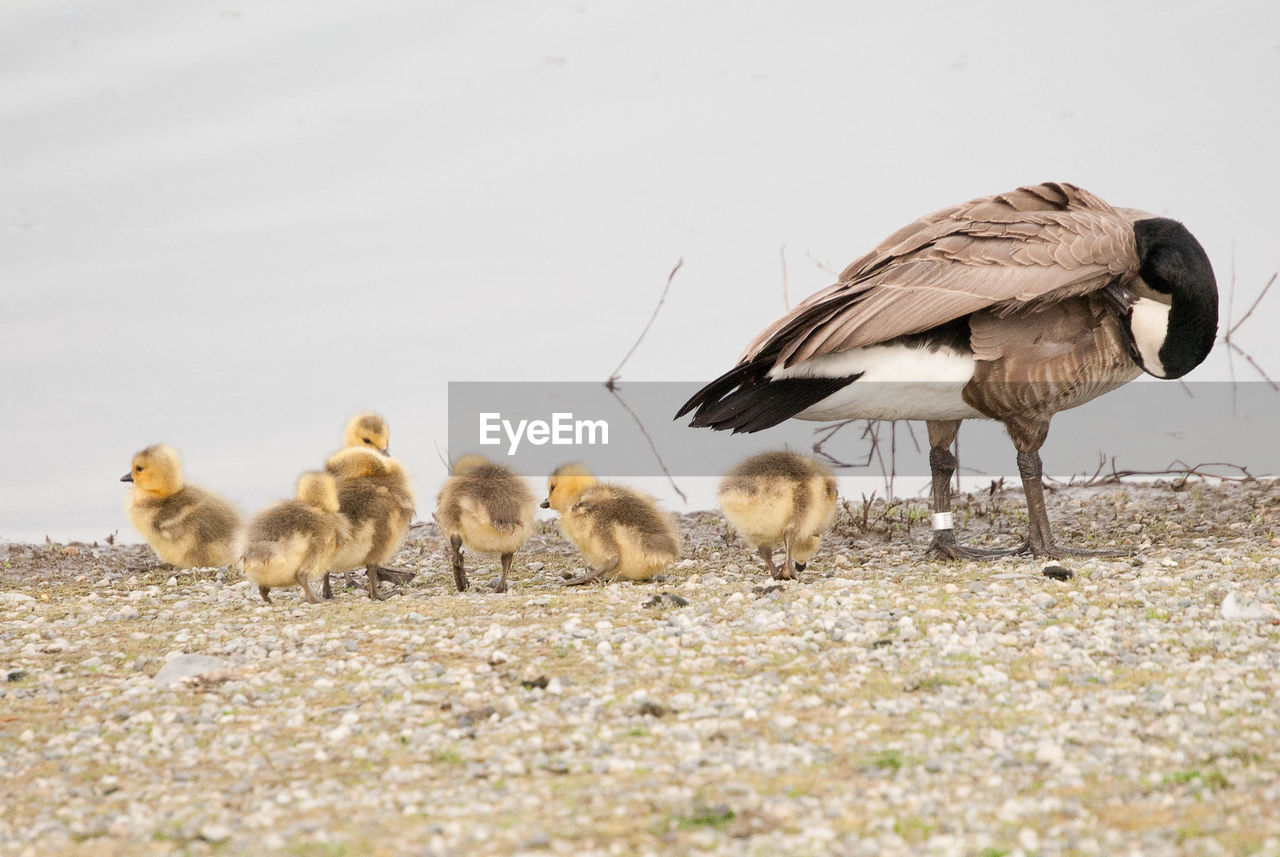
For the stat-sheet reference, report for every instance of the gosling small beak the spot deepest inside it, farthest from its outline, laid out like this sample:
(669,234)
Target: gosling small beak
(128,477)
(546,504)
(386,450)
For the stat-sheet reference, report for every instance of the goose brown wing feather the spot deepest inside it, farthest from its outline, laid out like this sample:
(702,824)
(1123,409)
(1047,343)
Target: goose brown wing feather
(1042,243)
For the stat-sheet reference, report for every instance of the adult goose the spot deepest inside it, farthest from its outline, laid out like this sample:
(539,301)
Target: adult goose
(1009,307)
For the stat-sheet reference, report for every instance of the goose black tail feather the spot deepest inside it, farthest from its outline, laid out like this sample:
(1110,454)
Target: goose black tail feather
(745,399)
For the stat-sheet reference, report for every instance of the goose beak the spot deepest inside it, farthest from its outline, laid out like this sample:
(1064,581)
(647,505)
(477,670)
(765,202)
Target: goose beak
(128,477)
(386,450)
(545,504)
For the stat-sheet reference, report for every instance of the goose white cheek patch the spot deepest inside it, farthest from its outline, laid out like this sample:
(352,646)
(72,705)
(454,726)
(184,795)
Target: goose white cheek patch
(942,521)
(1150,326)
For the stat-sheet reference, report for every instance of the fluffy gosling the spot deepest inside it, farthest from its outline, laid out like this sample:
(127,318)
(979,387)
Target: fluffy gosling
(294,542)
(780,498)
(369,431)
(375,497)
(185,525)
(486,508)
(622,532)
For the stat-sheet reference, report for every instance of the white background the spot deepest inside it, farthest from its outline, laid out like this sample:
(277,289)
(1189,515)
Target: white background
(228,227)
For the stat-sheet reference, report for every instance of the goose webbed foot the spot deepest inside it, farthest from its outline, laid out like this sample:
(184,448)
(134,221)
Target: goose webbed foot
(1055,551)
(945,546)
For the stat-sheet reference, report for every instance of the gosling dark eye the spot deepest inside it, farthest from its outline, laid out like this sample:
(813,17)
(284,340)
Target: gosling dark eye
(138,468)
(366,440)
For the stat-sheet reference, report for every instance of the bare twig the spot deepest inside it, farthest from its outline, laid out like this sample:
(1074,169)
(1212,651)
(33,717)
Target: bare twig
(615,377)
(1077,482)
(1254,364)
(830,431)
(444,459)
(823,265)
(1252,306)
(652,445)
(1232,327)
(612,384)
(1178,467)
(870,433)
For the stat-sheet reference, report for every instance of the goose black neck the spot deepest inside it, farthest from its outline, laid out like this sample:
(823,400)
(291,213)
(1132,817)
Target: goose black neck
(1174,263)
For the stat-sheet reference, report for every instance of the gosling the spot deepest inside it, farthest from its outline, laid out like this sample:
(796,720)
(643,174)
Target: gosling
(185,525)
(780,498)
(375,497)
(369,431)
(622,532)
(295,542)
(486,508)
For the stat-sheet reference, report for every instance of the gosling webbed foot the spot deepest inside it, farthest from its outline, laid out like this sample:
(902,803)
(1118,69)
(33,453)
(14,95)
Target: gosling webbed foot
(396,575)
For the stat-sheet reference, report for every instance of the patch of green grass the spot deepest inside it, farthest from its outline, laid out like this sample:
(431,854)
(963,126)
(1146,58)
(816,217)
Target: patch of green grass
(319,849)
(636,732)
(914,829)
(448,756)
(1211,778)
(715,817)
(994,852)
(1158,615)
(888,760)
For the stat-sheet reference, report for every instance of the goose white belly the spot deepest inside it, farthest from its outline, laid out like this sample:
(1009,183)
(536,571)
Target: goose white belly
(899,382)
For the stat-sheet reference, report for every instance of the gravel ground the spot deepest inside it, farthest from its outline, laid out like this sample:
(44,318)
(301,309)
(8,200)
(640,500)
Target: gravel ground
(882,705)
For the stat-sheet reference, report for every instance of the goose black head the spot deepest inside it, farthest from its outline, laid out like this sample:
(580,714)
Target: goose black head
(1172,262)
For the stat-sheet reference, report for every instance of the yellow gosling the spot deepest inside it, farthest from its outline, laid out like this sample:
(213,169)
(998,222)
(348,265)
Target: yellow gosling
(185,525)
(622,532)
(486,508)
(294,542)
(780,498)
(368,430)
(375,496)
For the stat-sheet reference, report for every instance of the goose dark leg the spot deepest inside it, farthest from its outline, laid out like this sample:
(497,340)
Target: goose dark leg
(942,466)
(265,592)
(455,557)
(506,567)
(1039,537)
(327,590)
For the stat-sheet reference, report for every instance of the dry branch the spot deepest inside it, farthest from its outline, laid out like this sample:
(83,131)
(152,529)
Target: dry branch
(612,383)
(615,376)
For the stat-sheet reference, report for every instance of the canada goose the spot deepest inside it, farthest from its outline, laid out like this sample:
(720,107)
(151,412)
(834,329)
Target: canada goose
(621,532)
(295,541)
(375,497)
(185,525)
(487,508)
(780,498)
(1011,307)
(368,430)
